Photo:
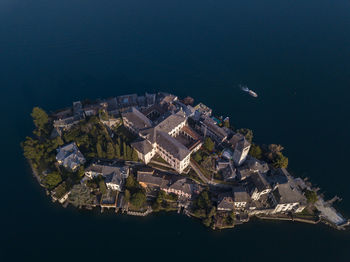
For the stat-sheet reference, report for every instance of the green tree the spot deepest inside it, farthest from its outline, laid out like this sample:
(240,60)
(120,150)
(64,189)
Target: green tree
(248,133)
(197,157)
(124,150)
(40,118)
(32,150)
(130,182)
(255,151)
(280,161)
(209,144)
(102,186)
(127,195)
(81,196)
(138,199)
(134,156)
(99,150)
(110,151)
(81,171)
(207,221)
(117,150)
(129,153)
(311,196)
(52,179)
(227,123)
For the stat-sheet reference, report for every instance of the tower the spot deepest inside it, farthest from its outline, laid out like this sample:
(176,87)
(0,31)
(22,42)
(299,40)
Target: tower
(241,151)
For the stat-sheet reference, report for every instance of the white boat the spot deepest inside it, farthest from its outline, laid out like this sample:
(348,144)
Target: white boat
(250,92)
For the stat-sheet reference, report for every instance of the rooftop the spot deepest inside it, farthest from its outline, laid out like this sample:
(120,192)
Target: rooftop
(139,120)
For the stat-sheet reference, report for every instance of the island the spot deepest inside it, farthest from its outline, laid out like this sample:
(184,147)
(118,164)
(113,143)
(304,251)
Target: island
(142,154)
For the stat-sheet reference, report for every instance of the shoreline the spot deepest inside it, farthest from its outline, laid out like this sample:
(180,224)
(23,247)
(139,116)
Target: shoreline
(246,181)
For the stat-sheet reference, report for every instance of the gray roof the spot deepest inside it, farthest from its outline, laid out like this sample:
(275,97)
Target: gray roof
(240,194)
(235,139)
(70,156)
(256,165)
(143,146)
(259,182)
(211,125)
(109,198)
(229,172)
(149,134)
(171,145)
(182,185)
(225,201)
(171,122)
(286,193)
(112,174)
(139,120)
(151,179)
(242,144)
(245,172)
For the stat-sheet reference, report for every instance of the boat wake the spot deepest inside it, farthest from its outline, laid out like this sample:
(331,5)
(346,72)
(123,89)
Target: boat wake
(250,92)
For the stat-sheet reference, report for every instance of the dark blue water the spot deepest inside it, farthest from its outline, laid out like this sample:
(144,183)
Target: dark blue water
(294,54)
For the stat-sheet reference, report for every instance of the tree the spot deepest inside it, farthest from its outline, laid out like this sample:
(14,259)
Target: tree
(207,221)
(127,195)
(280,161)
(311,196)
(102,186)
(81,196)
(138,199)
(197,157)
(117,150)
(272,151)
(255,151)
(247,133)
(110,151)
(134,156)
(81,171)
(124,150)
(40,118)
(52,179)
(209,144)
(99,150)
(32,150)
(227,123)
(130,182)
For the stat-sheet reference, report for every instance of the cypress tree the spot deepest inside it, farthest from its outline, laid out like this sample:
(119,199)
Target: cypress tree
(110,151)
(125,150)
(117,150)
(99,150)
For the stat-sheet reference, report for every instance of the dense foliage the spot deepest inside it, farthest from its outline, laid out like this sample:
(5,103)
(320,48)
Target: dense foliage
(209,144)
(255,151)
(247,133)
(311,196)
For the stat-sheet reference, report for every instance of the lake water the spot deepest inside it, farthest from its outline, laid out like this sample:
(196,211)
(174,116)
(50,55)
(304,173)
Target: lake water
(294,54)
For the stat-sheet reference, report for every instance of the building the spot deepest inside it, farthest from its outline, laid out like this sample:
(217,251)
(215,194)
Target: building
(287,198)
(209,128)
(226,169)
(135,121)
(114,176)
(180,187)
(160,138)
(235,139)
(240,197)
(109,199)
(257,166)
(225,202)
(147,179)
(258,186)
(70,157)
(202,109)
(241,151)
